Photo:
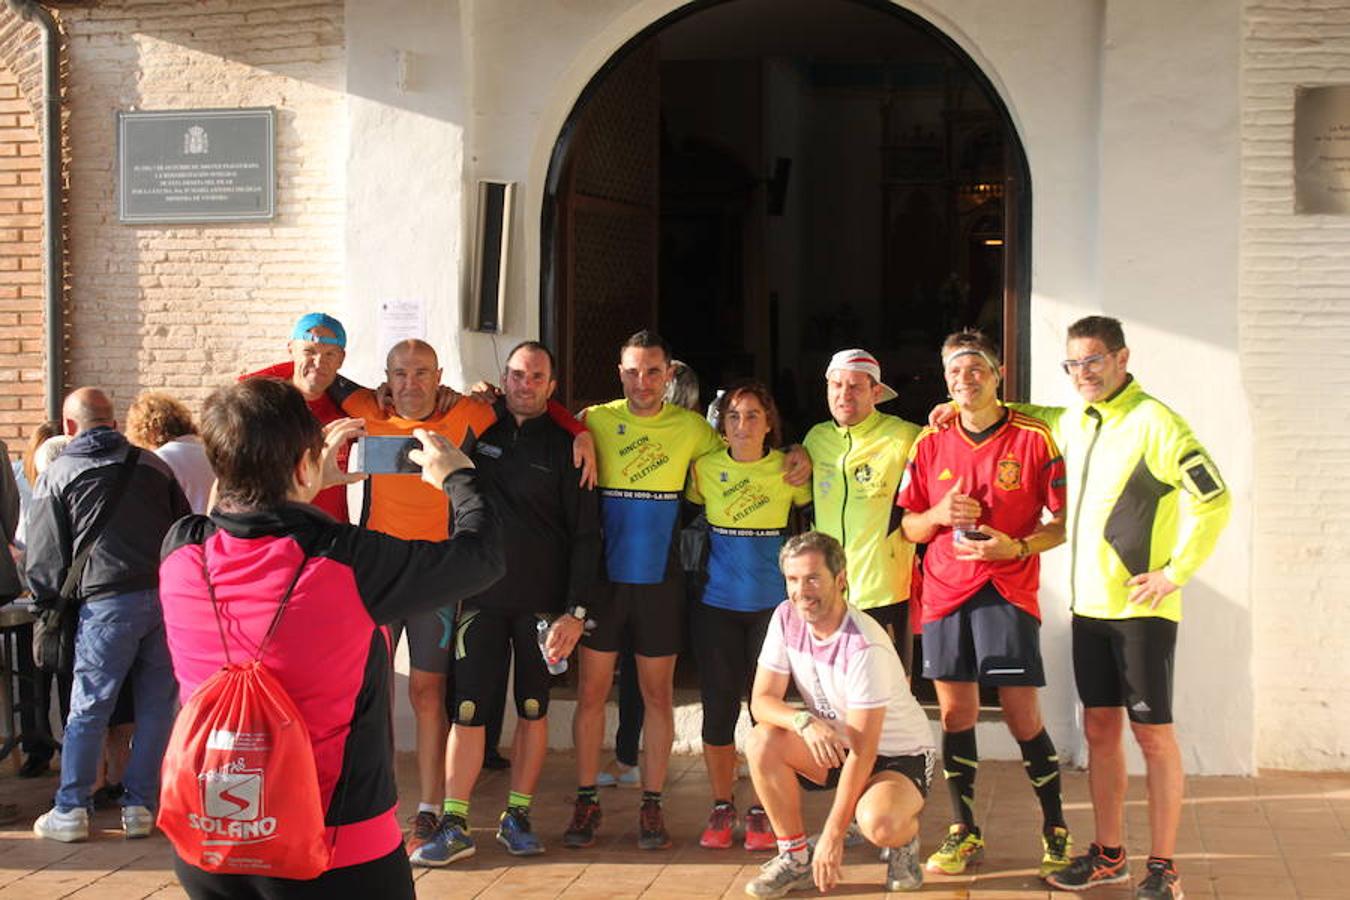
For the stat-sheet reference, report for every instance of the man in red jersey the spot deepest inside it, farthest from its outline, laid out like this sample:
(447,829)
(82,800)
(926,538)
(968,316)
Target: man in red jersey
(977,494)
(317,348)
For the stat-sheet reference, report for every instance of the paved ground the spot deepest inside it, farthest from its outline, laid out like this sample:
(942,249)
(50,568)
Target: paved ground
(1280,835)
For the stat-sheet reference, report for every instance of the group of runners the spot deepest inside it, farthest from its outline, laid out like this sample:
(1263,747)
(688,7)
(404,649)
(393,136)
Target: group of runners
(985,488)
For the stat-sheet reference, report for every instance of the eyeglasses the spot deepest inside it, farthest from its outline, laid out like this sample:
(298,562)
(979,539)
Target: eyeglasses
(1089,364)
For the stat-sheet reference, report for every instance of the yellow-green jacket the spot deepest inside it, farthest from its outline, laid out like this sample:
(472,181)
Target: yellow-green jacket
(855,473)
(1143,495)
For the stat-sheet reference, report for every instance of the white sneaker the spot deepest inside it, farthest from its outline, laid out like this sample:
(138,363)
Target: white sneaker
(904,871)
(69,826)
(137,821)
(779,876)
(616,774)
(853,837)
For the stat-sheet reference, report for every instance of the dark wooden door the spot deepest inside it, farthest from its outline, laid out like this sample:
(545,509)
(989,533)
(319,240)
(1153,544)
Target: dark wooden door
(608,216)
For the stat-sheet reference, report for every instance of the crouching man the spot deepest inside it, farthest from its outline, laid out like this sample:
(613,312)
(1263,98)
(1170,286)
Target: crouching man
(862,734)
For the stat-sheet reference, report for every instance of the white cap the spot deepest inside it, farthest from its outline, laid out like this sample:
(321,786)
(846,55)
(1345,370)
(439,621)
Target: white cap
(858,360)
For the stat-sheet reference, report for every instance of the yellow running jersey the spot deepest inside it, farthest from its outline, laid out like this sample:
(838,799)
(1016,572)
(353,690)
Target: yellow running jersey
(747,504)
(855,473)
(643,462)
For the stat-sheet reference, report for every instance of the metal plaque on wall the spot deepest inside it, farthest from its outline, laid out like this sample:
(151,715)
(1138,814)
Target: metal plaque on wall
(1322,149)
(198,165)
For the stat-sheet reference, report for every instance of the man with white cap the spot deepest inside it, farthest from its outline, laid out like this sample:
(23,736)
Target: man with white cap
(859,458)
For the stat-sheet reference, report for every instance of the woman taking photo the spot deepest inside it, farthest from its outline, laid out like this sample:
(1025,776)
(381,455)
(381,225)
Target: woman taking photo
(748,506)
(328,650)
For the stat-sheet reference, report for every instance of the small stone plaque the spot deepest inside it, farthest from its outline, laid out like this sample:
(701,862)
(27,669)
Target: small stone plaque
(200,165)
(1322,150)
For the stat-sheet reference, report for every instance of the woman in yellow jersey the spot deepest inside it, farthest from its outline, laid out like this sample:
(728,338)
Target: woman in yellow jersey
(748,507)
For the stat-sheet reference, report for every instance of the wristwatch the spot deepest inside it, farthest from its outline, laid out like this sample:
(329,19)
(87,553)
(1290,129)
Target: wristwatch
(577,612)
(801,720)
(1023,548)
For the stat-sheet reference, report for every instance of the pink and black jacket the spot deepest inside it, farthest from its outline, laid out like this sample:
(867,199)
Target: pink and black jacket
(330,651)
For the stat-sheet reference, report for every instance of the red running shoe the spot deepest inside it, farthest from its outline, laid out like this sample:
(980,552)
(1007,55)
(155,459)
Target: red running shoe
(758,832)
(721,823)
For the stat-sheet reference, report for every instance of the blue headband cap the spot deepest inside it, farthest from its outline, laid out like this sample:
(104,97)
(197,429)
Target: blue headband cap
(303,330)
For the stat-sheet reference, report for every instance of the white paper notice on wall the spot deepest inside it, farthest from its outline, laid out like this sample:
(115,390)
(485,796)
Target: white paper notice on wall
(400,320)
(1322,150)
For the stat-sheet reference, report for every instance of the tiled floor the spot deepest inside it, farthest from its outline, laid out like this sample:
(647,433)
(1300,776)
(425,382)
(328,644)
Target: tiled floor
(1281,835)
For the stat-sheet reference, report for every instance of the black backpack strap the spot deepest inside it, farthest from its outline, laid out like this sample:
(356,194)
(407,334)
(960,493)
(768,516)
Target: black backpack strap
(71,586)
(276,617)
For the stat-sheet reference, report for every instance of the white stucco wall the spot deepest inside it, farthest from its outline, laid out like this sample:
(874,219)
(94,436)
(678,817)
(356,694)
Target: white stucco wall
(1128,110)
(1295,308)
(406,65)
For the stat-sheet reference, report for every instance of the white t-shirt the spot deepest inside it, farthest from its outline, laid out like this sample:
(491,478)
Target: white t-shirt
(855,668)
(187,458)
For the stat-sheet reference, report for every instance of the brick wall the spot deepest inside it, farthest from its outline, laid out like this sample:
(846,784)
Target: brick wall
(21,237)
(21,282)
(1295,322)
(183,308)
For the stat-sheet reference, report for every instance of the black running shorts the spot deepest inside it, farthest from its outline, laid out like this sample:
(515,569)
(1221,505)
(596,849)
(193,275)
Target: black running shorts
(651,615)
(429,635)
(1126,662)
(917,768)
(485,642)
(985,639)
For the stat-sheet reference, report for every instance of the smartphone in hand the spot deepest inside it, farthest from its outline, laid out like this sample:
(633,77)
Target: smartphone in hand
(386,455)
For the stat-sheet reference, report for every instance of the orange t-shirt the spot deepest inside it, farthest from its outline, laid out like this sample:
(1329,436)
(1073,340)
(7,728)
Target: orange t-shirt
(405,506)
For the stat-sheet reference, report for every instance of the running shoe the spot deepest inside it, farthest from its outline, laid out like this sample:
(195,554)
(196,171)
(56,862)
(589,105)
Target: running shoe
(758,832)
(450,842)
(137,821)
(853,837)
(68,826)
(424,825)
(617,774)
(585,820)
(959,849)
(652,834)
(780,875)
(1161,883)
(1056,843)
(1089,870)
(721,825)
(903,871)
(514,833)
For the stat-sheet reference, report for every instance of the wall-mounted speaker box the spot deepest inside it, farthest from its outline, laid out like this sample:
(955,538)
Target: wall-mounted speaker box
(491,255)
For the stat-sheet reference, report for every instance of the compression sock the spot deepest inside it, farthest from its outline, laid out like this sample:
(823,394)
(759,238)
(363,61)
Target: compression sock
(960,761)
(1042,765)
(517,800)
(457,809)
(588,793)
(795,847)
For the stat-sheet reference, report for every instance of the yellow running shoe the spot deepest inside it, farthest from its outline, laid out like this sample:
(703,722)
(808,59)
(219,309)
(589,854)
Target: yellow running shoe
(961,847)
(1057,844)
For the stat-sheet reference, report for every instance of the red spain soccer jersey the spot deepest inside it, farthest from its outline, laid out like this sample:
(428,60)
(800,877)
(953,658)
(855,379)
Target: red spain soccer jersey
(1015,473)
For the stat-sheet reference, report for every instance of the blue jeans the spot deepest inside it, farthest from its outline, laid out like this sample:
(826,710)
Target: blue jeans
(118,637)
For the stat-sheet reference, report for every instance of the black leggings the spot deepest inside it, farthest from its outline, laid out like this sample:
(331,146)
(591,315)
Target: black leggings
(389,878)
(727,643)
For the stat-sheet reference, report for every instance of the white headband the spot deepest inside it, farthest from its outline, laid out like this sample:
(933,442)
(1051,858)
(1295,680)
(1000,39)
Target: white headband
(969,351)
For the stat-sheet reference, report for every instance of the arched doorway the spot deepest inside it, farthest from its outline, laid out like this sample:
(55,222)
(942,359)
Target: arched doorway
(767,181)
